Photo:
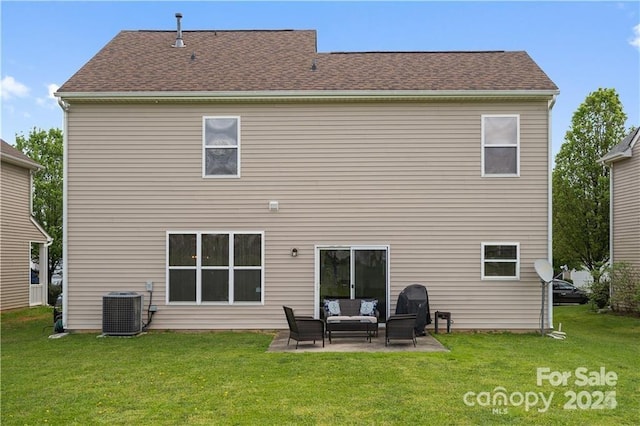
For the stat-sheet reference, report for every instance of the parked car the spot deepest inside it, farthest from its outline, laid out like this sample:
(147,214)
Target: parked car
(565,292)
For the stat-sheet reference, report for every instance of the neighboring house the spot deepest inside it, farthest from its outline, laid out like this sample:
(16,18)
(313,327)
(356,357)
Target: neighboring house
(246,171)
(624,163)
(18,231)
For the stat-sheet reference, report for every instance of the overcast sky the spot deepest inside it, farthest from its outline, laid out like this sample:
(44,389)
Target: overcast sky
(582,46)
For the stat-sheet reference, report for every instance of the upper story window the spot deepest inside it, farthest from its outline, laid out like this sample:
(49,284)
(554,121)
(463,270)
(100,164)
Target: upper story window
(500,145)
(500,261)
(221,147)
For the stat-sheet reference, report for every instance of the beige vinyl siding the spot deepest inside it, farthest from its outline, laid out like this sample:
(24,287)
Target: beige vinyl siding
(16,233)
(626,209)
(407,175)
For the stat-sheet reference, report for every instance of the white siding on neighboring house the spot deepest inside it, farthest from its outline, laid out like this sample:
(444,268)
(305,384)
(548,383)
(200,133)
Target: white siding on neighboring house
(625,175)
(406,175)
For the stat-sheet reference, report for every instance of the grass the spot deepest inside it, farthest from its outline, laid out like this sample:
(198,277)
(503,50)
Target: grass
(229,378)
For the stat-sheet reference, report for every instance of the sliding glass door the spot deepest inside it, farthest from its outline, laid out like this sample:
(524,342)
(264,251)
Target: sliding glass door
(354,272)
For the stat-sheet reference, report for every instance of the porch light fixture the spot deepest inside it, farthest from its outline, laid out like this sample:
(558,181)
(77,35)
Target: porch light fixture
(294,252)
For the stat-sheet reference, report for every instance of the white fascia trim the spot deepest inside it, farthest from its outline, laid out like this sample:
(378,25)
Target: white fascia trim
(607,160)
(42,231)
(31,165)
(307,94)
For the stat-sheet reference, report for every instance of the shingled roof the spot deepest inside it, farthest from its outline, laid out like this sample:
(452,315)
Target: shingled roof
(14,156)
(287,60)
(624,149)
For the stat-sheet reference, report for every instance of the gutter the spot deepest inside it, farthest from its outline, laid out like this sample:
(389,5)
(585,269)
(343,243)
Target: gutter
(65,106)
(607,160)
(303,95)
(31,165)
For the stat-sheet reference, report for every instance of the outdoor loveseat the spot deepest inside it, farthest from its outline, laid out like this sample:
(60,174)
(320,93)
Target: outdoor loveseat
(348,316)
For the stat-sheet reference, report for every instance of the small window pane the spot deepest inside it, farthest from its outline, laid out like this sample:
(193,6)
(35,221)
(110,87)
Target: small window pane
(182,285)
(215,285)
(501,160)
(501,252)
(221,161)
(500,269)
(500,131)
(247,250)
(182,250)
(215,250)
(247,286)
(221,132)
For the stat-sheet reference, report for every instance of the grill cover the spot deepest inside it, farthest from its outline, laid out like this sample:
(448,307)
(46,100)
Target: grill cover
(415,300)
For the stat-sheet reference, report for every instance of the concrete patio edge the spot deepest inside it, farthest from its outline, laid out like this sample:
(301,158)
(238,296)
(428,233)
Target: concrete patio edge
(355,344)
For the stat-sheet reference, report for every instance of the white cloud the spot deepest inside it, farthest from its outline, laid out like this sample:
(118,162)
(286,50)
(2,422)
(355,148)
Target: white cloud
(50,100)
(635,40)
(10,88)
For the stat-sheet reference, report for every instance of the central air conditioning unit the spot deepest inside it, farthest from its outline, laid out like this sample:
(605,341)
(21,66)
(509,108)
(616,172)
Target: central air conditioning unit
(122,313)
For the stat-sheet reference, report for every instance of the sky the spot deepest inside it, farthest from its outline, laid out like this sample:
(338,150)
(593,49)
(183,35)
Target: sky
(582,46)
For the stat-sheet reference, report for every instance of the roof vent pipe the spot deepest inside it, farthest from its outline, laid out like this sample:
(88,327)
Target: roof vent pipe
(179,42)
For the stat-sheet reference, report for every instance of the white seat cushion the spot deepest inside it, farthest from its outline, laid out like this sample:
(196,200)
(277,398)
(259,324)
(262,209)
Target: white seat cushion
(338,318)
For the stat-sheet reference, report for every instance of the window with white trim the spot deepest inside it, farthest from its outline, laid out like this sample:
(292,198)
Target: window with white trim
(210,267)
(221,146)
(500,145)
(500,261)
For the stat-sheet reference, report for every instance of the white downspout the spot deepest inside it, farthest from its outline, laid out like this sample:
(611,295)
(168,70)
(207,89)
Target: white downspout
(65,233)
(610,213)
(551,103)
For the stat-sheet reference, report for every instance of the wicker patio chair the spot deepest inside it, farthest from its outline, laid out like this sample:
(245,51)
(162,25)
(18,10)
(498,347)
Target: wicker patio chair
(400,327)
(303,328)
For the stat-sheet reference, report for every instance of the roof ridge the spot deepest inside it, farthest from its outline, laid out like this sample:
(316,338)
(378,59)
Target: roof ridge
(420,51)
(218,31)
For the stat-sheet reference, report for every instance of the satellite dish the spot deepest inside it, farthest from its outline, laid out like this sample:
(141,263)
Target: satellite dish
(544,270)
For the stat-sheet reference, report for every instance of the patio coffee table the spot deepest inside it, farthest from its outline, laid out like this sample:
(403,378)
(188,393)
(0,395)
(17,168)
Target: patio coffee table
(354,326)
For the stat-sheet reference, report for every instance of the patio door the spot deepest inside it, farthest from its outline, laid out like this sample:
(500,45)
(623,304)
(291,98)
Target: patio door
(353,272)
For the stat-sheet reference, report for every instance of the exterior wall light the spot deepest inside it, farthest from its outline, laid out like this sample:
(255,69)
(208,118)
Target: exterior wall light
(294,252)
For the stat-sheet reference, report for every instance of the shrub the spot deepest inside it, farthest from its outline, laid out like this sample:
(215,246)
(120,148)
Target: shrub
(599,294)
(54,292)
(625,288)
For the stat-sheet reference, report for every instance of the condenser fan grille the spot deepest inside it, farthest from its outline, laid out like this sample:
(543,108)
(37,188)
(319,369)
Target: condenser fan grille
(122,313)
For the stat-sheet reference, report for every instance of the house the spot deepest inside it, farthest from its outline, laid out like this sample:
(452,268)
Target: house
(18,232)
(234,172)
(624,163)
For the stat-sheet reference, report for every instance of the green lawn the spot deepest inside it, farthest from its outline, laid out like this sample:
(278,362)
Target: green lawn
(228,378)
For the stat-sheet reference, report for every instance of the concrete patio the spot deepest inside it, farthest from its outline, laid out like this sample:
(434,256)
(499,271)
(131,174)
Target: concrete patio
(356,344)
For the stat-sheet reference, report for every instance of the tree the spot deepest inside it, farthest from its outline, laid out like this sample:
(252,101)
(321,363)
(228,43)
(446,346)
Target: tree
(581,183)
(45,148)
